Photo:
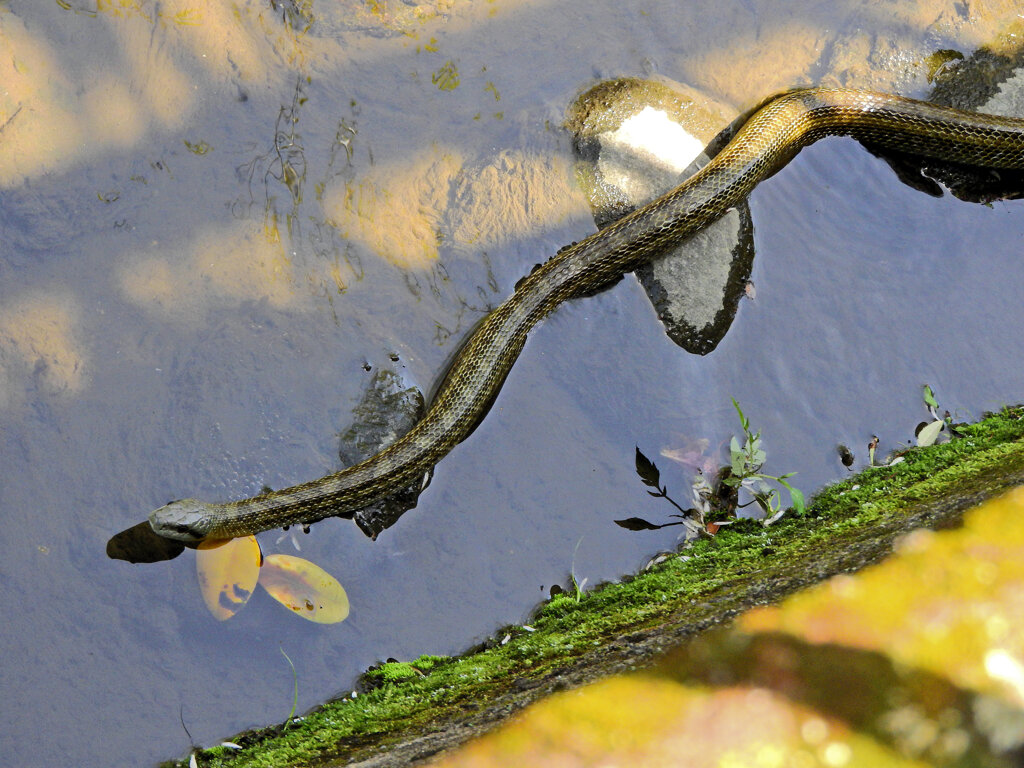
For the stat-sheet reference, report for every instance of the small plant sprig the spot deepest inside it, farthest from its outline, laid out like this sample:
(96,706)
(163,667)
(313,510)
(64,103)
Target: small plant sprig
(295,679)
(746,460)
(577,586)
(718,497)
(650,476)
(927,432)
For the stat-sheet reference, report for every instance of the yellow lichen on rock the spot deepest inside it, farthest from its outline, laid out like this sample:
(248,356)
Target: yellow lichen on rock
(652,721)
(906,663)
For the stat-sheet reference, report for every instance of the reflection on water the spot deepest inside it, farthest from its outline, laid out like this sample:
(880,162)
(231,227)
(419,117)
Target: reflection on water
(918,660)
(139,544)
(175,322)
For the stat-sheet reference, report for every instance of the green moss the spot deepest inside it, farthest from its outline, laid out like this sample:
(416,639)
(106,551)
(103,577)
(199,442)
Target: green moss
(846,526)
(395,671)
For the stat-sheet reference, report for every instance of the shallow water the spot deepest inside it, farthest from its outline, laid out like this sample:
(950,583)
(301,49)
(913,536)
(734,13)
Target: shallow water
(187,307)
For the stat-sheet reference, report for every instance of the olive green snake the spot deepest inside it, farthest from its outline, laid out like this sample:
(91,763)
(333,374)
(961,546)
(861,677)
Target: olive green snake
(765,143)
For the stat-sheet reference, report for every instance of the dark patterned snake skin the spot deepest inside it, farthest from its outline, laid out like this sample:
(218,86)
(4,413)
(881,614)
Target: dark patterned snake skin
(766,142)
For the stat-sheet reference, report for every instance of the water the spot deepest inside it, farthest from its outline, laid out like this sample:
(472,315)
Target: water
(195,319)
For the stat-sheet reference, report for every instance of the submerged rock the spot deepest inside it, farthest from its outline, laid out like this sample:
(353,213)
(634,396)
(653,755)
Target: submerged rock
(991,81)
(387,411)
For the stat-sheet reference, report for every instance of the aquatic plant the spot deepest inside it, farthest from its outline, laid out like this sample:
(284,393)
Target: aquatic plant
(746,461)
(719,497)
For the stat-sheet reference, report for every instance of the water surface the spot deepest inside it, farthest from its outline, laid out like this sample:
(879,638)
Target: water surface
(214,223)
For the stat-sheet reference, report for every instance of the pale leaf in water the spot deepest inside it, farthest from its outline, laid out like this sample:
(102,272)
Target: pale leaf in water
(929,433)
(228,572)
(304,588)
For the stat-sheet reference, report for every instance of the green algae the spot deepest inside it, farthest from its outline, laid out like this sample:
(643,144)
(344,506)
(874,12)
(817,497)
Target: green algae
(409,710)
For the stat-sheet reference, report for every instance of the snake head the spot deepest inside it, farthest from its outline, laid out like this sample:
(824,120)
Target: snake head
(185,520)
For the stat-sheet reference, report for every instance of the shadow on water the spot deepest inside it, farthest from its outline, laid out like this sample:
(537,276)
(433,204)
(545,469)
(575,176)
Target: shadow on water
(139,544)
(213,224)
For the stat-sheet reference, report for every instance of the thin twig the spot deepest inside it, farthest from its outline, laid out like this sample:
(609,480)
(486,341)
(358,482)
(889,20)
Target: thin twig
(11,118)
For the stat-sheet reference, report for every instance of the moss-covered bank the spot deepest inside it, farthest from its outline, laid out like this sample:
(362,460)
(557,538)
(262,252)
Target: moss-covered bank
(411,710)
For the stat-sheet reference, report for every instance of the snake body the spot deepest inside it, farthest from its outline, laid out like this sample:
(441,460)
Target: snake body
(764,144)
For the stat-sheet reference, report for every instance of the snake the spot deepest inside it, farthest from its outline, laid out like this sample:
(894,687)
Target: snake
(770,137)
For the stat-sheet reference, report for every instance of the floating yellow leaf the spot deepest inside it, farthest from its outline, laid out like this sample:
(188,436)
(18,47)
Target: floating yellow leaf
(228,572)
(304,588)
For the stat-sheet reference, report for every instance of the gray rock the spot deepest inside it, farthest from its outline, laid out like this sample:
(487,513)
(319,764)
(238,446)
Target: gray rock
(630,136)
(989,81)
(387,411)
(697,287)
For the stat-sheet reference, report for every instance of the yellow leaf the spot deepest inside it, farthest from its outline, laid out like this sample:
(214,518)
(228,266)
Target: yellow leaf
(304,588)
(228,572)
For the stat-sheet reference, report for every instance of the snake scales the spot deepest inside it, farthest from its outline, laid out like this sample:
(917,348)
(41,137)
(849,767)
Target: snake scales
(765,143)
